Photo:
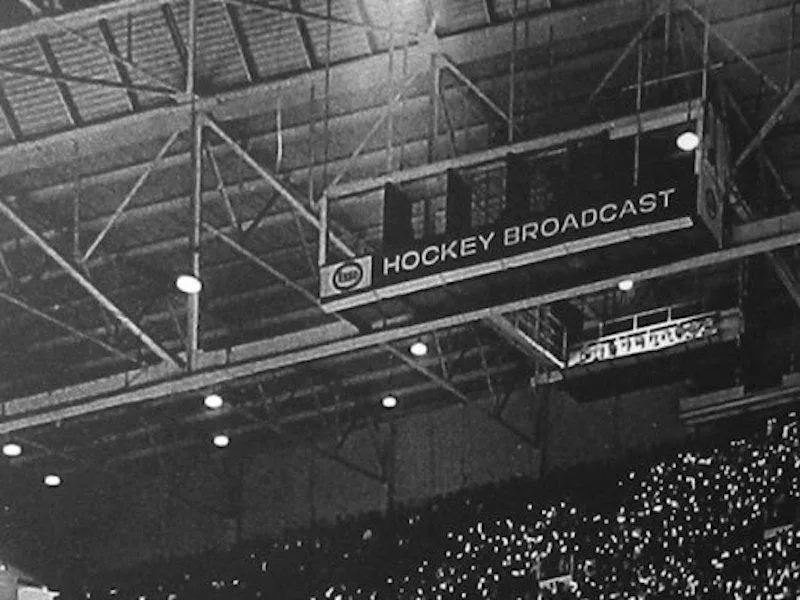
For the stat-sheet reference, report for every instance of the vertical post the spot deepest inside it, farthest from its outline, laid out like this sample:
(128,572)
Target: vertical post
(706,58)
(433,108)
(326,125)
(76,221)
(637,140)
(191,59)
(391,86)
(312,131)
(512,73)
(323,231)
(193,300)
(790,45)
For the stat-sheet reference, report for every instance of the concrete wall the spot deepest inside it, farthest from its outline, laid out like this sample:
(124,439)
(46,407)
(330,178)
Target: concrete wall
(180,507)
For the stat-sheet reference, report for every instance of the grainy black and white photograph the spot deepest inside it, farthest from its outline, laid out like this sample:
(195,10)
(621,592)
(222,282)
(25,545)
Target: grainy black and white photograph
(399,299)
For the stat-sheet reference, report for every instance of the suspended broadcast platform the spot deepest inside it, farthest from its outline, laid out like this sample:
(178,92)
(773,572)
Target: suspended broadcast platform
(555,212)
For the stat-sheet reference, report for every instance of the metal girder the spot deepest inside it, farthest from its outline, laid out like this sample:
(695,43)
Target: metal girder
(447,63)
(63,89)
(87,285)
(661,117)
(129,196)
(294,200)
(297,11)
(768,126)
(19,303)
(370,33)
(175,35)
(122,70)
(462,48)
(217,368)
(242,43)
(305,36)
(771,83)
(106,52)
(9,116)
(630,47)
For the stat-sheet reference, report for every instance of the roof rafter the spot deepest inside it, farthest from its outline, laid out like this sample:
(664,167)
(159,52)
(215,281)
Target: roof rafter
(63,89)
(122,69)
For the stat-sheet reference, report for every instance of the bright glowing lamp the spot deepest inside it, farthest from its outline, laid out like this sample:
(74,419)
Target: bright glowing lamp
(688,140)
(418,348)
(188,284)
(11,449)
(389,401)
(52,480)
(213,401)
(626,285)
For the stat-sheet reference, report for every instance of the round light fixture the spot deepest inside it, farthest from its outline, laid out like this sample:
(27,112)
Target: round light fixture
(688,140)
(625,285)
(389,401)
(213,401)
(188,284)
(52,480)
(221,440)
(11,449)
(418,348)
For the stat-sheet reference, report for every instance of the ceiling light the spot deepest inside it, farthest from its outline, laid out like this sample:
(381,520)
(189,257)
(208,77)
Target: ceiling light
(213,401)
(625,285)
(12,449)
(389,401)
(221,440)
(52,480)
(188,284)
(688,140)
(418,348)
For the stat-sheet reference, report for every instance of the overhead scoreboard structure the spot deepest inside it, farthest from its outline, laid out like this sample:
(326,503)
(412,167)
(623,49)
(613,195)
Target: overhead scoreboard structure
(623,181)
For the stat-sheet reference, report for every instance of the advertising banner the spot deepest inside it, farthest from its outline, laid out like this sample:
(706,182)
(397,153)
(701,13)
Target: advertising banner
(642,340)
(612,214)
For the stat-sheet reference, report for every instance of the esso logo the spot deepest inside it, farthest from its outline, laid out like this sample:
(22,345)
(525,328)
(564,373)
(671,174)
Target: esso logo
(347,276)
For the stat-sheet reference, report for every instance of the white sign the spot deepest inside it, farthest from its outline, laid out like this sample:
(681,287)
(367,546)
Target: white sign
(656,337)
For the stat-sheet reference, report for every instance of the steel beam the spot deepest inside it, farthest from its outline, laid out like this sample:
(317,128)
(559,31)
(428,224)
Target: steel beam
(296,11)
(294,200)
(87,285)
(171,22)
(9,116)
(122,70)
(630,47)
(67,327)
(768,125)
(771,83)
(448,63)
(129,197)
(63,89)
(242,43)
(216,369)
(115,57)
(147,125)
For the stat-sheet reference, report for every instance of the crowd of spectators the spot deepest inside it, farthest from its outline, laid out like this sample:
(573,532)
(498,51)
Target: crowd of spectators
(714,521)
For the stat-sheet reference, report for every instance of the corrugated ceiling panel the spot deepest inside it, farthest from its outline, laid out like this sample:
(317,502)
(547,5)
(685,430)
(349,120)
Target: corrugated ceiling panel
(410,15)
(506,7)
(218,60)
(5,133)
(77,57)
(275,42)
(457,15)
(346,41)
(36,101)
(151,49)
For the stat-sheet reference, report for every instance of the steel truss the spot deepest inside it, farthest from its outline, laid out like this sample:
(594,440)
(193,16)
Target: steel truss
(201,370)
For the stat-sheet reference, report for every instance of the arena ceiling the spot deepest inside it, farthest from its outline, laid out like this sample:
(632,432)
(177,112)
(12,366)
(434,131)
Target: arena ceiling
(109,192)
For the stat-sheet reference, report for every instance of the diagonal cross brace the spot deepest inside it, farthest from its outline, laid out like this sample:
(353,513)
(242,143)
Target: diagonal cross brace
(101,298)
